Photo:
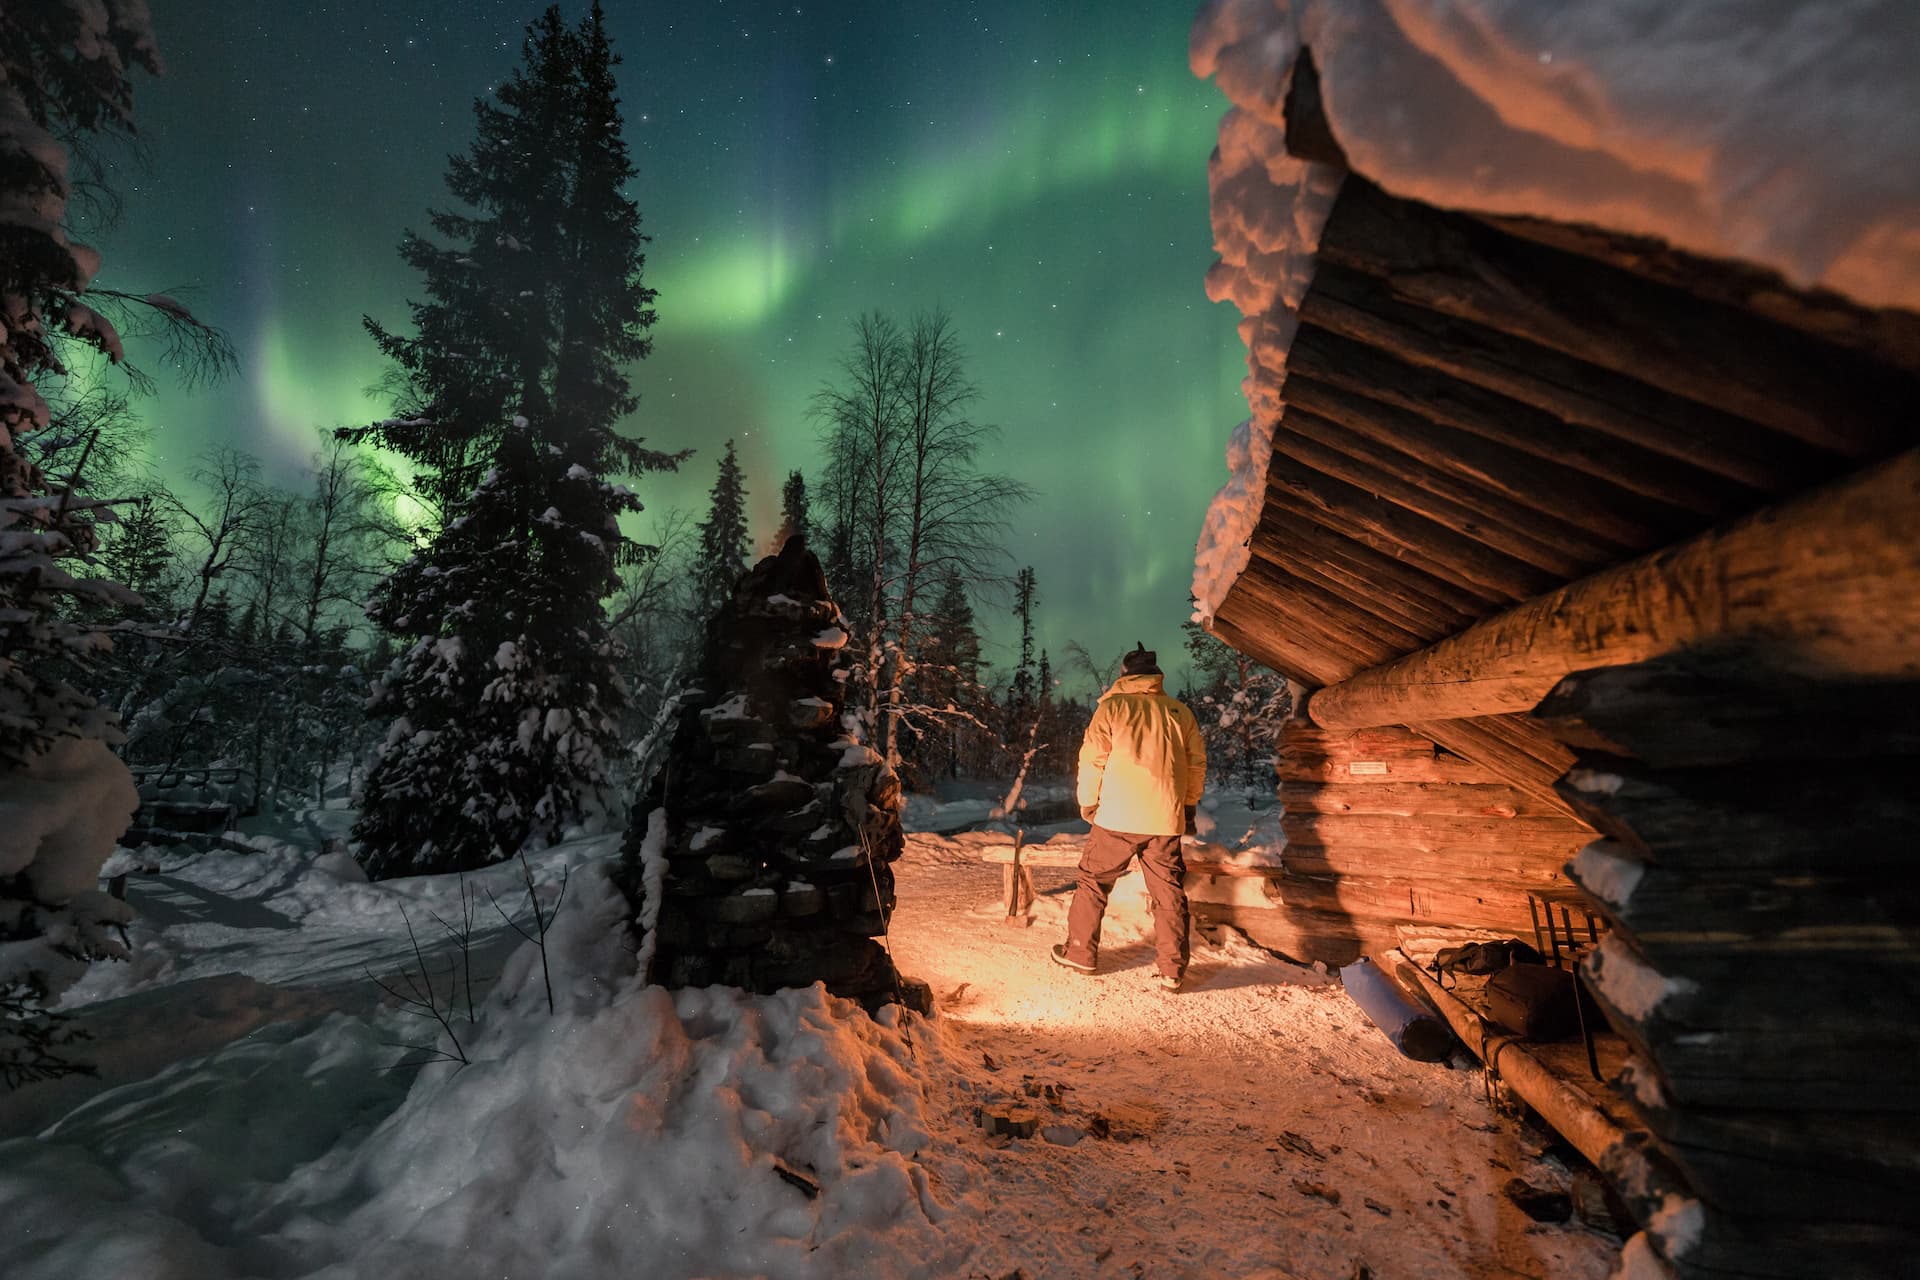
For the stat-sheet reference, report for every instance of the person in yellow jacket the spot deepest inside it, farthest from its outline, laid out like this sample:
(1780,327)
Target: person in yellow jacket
(1142,769)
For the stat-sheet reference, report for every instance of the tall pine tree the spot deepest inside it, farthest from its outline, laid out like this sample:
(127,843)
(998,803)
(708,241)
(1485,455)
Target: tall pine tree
(796,517)
(1021,692)
(483,341)
(723,534)
(502,702)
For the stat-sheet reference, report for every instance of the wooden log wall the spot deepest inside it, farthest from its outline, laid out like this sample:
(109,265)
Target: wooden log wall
(1818,583)
(1478,413)
(1764,961)
(1388,832)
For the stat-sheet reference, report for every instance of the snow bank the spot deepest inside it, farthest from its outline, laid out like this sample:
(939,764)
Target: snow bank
(281,914)
(1780,134)
(635,1131)
(59,818)
(1238,831)
(925,813)
(647,1135)
(62,814)
(1777,134)
(1268,211)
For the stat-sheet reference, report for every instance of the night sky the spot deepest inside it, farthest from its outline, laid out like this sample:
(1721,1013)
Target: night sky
(1037,169)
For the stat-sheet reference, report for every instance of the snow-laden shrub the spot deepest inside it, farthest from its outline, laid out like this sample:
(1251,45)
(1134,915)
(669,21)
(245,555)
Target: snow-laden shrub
(64,71)
(59,818)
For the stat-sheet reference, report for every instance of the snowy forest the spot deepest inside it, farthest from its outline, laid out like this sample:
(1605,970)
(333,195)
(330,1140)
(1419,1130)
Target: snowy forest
(446,622)
(739,745)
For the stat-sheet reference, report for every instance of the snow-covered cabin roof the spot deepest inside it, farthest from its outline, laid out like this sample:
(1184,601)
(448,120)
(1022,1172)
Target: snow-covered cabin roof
(1530,290)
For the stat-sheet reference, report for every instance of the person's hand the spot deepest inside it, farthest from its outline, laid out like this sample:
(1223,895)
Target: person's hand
(1087,811)
(1192,828)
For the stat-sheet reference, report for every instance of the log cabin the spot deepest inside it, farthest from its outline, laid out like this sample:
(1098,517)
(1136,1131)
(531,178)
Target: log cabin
(1601,559)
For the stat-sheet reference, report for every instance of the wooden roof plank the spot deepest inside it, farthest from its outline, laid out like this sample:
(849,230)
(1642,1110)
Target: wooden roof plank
(1255,627)
(1618,471)
(1566,498)
(1412,613)
(1299,525)
(1291,512)
(1363,309)
(1648,331)
(1341,628)
(1545,542)
(1397,530)
(1891,336)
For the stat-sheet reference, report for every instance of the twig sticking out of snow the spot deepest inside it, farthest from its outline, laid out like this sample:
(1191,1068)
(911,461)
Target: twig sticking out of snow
(423,998)
(542,921)
(463,938)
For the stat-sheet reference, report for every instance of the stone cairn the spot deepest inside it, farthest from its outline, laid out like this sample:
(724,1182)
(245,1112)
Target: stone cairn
(780,827)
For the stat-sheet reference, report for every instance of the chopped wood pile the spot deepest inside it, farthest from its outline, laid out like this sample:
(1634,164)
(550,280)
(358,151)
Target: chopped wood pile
(780,828)
(1765,957)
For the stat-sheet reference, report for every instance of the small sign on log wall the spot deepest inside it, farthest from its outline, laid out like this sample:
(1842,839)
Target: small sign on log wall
(1367,766)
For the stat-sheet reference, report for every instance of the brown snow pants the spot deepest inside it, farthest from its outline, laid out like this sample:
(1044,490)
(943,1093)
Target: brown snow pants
(1104,860)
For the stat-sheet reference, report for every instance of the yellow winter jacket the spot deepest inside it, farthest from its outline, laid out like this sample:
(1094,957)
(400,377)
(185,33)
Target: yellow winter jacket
(1143,761)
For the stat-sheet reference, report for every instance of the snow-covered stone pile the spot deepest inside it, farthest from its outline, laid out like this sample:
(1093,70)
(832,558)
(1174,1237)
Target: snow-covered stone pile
(780,827)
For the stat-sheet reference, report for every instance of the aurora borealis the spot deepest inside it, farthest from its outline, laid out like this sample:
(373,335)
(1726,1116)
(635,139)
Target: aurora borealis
(1037,169)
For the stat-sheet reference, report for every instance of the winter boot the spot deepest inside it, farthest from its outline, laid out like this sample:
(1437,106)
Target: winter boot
(1060,958)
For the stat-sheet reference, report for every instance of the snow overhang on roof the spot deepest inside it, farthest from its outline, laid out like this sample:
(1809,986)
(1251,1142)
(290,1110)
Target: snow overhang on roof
(1778,139)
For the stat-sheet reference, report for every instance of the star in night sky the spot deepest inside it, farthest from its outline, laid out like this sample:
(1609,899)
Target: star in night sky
(1037,169)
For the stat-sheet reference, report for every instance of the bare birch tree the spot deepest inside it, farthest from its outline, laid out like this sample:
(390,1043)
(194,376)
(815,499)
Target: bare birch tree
(863,417)
(221,534)
(349,533)
(907,502)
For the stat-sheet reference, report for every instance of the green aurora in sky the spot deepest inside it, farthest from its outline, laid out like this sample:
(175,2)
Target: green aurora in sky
(1039,171)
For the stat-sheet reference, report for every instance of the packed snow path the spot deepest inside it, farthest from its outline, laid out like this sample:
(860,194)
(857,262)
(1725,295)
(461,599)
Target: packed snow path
(1259,1125)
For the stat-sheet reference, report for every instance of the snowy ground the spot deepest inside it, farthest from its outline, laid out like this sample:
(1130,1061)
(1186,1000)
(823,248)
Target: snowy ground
(1281,1136)
(1234,827)
(252,1120)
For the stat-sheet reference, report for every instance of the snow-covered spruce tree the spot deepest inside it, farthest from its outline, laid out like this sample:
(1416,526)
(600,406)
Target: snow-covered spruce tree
(1241,707)
(945,692)
(1023,690)
(503,701)
(502,718)
(64,797)
(723,534)
(483,341)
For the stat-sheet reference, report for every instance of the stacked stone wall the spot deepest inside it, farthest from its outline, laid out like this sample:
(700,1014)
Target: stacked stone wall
(781,828)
